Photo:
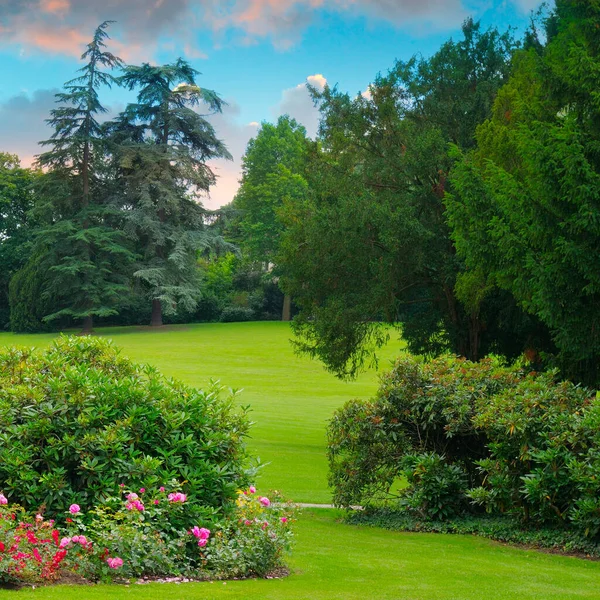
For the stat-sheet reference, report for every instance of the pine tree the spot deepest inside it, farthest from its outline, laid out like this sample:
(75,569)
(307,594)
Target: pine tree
(87,256)
(164,145)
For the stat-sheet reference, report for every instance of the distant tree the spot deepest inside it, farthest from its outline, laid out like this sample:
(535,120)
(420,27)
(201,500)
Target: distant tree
(526,216)
(273,174)
(371,245)
(16,202)
(85,255)
(163,145)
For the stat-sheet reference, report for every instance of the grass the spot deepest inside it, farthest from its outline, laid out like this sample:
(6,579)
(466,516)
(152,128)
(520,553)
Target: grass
(337,561)
(292,398)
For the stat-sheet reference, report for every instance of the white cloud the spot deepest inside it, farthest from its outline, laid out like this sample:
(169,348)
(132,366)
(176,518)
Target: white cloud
(297,103)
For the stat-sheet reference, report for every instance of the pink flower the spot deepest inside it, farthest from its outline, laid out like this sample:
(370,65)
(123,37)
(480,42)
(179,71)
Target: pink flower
(121,485)
(135,505)
(75,539)
(284,519)
(74,509)
(3,499)
(39,517)
(252,489)
(64,542)
(202,543)
(156,501)
(161,489)
(177,497)
(132,496)
(201,532)
(114,563)
(83,540)
(265,525)
(246,522)
(264,501)
(142,490)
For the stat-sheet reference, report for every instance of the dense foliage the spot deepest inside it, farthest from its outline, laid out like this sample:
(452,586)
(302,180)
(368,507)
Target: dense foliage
(144,534)
(79,419)
(526,218)
(371,245)
(469,437)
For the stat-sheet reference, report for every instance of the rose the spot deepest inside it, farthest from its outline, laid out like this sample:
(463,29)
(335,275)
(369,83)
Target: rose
(177,497)
(252,489)
(3,499)
(202,543)
(131,497)
(64,542)
(264,501)
(114,563)
(284,519)
(74,509)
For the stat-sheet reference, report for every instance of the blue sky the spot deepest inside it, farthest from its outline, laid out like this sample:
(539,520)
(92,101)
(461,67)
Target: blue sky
(257,54)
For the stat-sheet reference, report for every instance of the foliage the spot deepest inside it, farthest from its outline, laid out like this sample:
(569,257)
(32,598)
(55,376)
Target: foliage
(78,419)
(232,314)
(509,441)
(143,535)
(255,543)
(525,216)
(84,252)
(273,170)
(16,201)
(436,489)
(162,145)
(371,244)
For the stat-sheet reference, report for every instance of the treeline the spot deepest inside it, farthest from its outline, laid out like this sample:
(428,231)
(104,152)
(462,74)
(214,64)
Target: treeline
(458,199)
(108,225)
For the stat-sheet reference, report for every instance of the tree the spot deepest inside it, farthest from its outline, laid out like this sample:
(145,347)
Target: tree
(85,255)
(526,218)
(163,145)
(16,202)
(371,245)
(272,175)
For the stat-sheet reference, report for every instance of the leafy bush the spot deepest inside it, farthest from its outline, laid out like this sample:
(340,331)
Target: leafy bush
(234,314)
(511,441)
(79,419)
(436,489)
(144,534)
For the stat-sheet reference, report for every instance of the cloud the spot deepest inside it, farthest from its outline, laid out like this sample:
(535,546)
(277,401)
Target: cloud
(22,123)
(64,26)
(297,103)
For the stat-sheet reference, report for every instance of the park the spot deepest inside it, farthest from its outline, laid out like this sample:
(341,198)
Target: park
(347,349)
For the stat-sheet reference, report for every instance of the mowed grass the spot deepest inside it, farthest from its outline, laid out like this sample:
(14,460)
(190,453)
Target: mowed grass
(291,397)
(335,561)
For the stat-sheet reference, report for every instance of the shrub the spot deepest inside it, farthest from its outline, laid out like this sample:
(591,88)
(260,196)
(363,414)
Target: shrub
(511,441)
(144,534)
(79,419)
(436,489)
(234,314)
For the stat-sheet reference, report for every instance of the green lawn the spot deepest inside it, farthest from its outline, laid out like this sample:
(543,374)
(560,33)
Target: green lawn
(337,561)
(292,398)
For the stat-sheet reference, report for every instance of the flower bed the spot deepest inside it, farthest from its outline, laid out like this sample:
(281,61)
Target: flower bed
(144,533)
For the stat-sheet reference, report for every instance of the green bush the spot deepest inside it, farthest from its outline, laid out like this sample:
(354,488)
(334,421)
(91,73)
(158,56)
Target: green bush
(512,441)
(79,419)
(234,314)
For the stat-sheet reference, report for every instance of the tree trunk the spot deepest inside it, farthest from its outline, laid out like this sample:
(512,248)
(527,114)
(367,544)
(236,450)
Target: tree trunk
(286,313)
(156,320)
(88,325)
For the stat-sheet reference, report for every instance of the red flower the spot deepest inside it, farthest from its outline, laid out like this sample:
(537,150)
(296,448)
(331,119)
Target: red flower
(55,536)
(69,520)
(37,555)
(1,547)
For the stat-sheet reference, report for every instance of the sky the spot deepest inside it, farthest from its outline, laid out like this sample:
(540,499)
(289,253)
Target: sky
(257,54)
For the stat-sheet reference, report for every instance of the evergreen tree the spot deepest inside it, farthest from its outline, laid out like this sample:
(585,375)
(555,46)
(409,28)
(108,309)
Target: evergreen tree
(85,254)
(163,147)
